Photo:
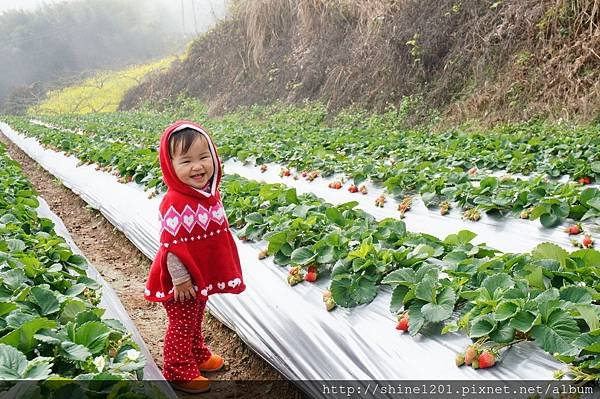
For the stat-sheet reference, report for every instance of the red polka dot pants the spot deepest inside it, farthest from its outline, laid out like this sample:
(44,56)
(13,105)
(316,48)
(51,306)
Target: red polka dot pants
(184,349)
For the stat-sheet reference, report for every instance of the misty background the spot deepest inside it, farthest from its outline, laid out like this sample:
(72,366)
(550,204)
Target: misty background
(46,45)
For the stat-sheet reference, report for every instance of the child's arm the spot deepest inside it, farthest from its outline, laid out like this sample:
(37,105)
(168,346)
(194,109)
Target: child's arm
(182,282)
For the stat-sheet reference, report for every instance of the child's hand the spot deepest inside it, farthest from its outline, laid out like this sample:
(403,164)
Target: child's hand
(184,291)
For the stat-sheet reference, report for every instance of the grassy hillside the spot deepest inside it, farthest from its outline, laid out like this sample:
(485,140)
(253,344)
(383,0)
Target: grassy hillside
(490,60)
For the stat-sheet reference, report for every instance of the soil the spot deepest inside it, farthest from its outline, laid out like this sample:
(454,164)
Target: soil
(245,374)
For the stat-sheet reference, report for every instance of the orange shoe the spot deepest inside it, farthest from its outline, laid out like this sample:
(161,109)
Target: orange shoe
(214,363)
(197,385)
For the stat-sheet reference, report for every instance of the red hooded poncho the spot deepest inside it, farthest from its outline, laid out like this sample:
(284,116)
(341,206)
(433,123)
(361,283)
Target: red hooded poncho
(194,228)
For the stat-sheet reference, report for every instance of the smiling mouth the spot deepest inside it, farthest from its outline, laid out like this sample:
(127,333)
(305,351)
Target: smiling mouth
(198,176)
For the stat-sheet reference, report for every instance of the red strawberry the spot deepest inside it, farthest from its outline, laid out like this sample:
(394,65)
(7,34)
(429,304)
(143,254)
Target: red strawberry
(472,171)
(584,180)
(575,229)
(286,172)
(310,277)
(353,189)
(486,360)
(312,269)
(587,242)
(470,355)
(403,323)
(304,174)
(263,168)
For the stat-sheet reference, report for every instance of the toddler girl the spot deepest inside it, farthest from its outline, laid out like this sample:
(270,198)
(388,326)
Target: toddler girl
(197,255)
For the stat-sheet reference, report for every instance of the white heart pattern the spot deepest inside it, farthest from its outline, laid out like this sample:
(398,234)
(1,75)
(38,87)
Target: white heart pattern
(202,217)
(160,294)
(188,220)
(173,222)
(210,287)
(221,286)
(234,283)
(217,213)
(204,292)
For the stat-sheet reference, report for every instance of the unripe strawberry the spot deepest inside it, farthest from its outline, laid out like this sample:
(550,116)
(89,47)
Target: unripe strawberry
(329,302)
(262,254)
(459,359)
(470,355)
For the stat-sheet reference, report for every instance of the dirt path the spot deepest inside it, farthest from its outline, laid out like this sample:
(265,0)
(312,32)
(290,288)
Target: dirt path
(126,268)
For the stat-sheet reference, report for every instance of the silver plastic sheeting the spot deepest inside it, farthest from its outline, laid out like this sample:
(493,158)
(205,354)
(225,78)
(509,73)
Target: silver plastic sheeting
(289,327)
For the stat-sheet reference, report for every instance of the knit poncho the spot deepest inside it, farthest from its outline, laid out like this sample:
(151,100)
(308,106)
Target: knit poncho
(194,227)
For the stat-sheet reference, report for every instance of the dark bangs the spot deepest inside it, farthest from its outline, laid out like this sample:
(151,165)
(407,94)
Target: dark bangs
(182,140)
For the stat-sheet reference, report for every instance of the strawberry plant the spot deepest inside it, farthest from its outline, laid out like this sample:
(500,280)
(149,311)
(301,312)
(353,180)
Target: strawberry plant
(50,322)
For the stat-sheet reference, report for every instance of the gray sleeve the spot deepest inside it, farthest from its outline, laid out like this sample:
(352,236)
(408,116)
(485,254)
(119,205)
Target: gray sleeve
(177,270)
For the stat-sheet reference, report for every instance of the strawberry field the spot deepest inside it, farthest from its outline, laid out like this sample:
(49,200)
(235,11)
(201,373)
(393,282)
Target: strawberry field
(358,240)
(53,324)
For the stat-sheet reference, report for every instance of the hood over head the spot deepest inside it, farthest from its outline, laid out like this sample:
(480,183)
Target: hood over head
(169,176)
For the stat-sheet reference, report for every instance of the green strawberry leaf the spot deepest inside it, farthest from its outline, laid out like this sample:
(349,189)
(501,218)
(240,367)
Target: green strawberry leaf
(93,335)
(12,363)
(523,321)
(39,368)
(461,238)
(276,241)
(73,351)
(506,310)
(71,308)
(503,334)
(497,281)
(353,290)
(588,313)
(547,250)
(575,294)
(45,299)
(435,312)
(416,321)
(398,298)
(334,215)
(556,333)
(482,326)
(22,338)
(303,256)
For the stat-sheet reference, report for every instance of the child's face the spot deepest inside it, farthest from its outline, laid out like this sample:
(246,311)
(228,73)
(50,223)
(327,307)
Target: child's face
(194,167)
